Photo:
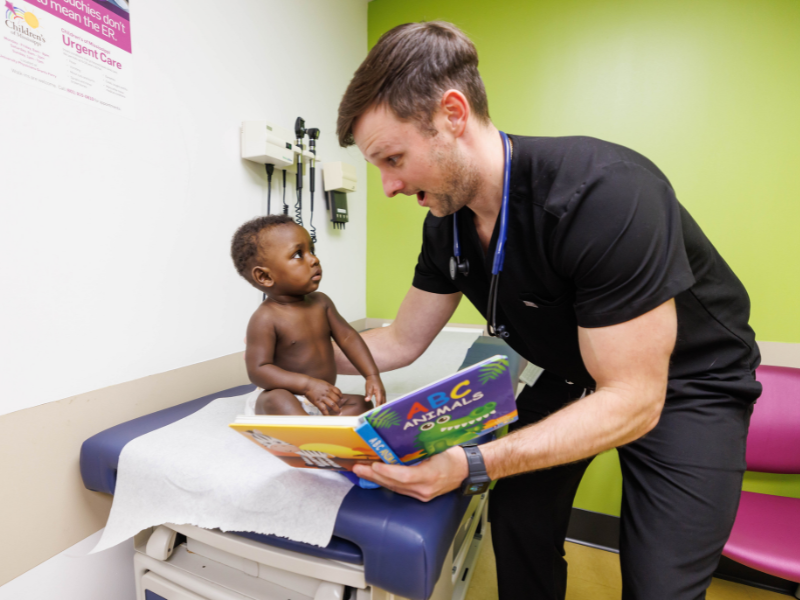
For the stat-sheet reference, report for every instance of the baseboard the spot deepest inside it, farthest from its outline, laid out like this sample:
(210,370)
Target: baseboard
(737,572)
(780,354)
(601,531)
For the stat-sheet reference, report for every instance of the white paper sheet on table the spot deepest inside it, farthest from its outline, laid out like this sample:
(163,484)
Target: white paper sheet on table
(201,472)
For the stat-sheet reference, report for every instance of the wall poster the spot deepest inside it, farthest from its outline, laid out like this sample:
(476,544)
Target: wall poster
(76,48)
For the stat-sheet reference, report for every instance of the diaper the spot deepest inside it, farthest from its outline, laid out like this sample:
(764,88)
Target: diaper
(250,403)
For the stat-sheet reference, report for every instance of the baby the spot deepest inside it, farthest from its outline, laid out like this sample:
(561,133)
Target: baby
(289,353)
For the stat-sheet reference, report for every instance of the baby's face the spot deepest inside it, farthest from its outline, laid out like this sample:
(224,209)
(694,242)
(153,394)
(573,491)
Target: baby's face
(291,261)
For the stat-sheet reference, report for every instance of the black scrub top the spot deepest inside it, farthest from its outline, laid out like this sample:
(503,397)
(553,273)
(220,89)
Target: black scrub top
(596,237)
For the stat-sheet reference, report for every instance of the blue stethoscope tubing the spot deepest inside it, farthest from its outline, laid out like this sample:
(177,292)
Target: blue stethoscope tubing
(499,250)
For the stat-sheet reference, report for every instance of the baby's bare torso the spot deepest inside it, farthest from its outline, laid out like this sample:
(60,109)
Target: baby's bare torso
(303,337)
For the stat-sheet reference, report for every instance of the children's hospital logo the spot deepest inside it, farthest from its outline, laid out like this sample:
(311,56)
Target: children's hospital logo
(14,12)
(22,23)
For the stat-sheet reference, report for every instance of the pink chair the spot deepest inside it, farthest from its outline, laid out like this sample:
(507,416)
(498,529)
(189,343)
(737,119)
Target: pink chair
(766,534)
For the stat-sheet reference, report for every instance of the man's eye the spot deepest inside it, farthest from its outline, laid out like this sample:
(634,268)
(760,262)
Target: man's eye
(392,160)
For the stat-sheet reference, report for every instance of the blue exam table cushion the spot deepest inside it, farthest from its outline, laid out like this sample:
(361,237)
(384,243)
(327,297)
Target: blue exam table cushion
(392,535)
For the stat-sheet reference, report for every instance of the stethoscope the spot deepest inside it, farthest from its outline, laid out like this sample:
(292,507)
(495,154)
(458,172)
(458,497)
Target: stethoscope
(459,265)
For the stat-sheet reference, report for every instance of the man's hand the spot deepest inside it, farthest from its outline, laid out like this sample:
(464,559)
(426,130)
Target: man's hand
(375,389)
(324,396)
(427,480)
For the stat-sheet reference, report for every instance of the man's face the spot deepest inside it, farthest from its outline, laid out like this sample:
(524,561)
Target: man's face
(413,162)
(289,255)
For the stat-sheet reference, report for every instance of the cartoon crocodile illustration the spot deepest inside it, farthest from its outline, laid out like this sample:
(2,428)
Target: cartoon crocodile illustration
(441,434)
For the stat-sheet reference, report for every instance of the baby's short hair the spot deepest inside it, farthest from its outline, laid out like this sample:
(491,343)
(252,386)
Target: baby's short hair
(244,245)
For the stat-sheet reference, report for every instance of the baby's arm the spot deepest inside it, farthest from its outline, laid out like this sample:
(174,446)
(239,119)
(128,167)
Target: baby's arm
(356,350)
(259,358)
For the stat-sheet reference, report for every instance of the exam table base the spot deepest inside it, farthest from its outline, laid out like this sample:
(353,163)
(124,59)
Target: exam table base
(213,565)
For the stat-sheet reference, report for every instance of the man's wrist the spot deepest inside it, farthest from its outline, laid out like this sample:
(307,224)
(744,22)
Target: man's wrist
(477,480)
(461,470)
(489,459)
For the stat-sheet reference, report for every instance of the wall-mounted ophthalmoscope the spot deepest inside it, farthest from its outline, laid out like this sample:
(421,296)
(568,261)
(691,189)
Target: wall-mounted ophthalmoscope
(300,133)
(313,136)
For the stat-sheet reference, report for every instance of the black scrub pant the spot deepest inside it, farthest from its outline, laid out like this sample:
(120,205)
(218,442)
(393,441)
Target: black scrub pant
(681,487)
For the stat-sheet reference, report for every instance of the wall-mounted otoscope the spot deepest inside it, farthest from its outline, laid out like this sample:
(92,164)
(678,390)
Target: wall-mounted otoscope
(313,136)
(300,133)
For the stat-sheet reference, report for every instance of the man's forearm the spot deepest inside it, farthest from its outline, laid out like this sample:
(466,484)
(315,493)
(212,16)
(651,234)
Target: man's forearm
(599,422)
(420,318)
(387,352)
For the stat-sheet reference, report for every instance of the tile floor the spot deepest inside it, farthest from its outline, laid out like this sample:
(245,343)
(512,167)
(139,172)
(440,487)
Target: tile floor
(594,575)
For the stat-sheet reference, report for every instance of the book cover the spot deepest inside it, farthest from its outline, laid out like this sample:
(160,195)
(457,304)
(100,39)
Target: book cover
(454,410)
(451,411)
(334,446)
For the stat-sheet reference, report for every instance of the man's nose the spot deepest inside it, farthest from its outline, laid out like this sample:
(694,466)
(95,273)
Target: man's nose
(391,185)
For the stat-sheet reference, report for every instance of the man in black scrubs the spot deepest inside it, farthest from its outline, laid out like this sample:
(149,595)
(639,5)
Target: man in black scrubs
(608,284)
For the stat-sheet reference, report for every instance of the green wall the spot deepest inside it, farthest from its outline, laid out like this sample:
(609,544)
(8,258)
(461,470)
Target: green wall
(707,89)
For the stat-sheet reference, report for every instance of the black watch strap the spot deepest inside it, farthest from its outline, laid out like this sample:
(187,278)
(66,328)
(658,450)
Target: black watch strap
(477,482)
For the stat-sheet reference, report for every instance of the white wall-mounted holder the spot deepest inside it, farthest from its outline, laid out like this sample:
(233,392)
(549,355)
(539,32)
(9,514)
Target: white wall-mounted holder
(268,144)
(339,177)
(307,156)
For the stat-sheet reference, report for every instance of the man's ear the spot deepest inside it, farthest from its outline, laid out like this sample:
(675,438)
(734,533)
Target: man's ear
(455,110)
(262,276)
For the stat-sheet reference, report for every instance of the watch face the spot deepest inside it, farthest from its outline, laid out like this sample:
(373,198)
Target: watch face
(476,488)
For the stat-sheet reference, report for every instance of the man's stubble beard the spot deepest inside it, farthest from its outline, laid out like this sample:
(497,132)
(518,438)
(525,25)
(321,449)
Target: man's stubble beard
(461,186)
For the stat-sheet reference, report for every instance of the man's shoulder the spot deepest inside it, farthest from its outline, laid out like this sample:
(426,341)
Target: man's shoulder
(576,150)
(557,171)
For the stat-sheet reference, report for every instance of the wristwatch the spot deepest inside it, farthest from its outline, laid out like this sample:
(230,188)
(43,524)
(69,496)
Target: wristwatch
(477,482)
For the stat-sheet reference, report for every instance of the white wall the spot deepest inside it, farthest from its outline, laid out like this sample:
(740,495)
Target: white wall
(114,233)
(77,575)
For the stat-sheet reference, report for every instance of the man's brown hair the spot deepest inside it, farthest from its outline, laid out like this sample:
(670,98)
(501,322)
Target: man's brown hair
(409,69)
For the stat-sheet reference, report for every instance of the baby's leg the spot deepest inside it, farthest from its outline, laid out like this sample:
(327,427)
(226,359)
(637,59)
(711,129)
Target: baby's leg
(353,405)
(278,402)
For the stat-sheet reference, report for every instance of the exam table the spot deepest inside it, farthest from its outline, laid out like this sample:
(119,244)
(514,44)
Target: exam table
(385,546)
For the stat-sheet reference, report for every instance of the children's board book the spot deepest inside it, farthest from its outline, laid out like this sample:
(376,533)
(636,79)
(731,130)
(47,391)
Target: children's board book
(451,411)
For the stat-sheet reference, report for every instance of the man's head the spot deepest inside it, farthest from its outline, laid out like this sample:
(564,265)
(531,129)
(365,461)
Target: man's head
(276,256)
(408,70)
(408,108)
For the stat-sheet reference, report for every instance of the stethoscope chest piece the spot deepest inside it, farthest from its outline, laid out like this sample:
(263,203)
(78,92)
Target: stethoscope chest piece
(458,266)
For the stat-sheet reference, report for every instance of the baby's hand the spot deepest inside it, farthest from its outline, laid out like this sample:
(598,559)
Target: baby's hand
(375,390)
(324,396)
